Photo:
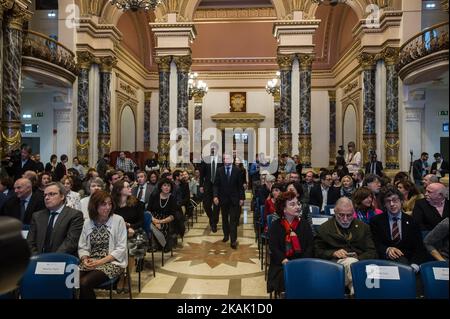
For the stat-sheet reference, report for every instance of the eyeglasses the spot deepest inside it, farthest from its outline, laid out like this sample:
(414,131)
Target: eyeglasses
(343,216)
(50,194)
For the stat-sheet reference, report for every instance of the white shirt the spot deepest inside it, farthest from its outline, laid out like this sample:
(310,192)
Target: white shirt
(353,162)
(325,197)
(144,189)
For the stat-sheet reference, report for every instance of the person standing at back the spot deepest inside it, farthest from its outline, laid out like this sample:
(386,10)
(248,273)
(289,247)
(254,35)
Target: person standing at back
(229,194)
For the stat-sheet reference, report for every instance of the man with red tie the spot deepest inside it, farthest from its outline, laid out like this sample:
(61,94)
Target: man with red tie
(397,237)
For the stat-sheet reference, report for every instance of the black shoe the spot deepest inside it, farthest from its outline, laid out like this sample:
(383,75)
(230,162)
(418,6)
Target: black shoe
(214,229)
(234,245)
(225,239)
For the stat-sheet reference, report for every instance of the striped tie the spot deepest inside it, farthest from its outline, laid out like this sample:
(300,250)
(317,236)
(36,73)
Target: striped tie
(395,231)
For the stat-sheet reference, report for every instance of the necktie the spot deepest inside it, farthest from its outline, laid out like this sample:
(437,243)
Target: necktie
(373,168)
(228,172)
(213,170)
(22,209)
(48,234)
(141,191)
(395,231)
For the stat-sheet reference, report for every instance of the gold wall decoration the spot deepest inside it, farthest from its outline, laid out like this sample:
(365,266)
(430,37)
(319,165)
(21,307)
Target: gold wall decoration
(238,102)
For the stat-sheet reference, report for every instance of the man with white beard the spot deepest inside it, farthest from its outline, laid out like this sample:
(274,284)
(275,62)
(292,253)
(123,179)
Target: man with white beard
(344,239)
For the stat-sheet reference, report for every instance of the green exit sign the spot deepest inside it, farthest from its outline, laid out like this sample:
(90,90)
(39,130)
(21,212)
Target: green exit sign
(39,114)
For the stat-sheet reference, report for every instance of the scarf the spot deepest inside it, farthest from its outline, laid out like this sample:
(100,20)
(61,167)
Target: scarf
(291,239)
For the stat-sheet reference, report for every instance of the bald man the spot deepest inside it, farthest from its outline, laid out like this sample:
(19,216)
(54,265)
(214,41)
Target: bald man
(24,203)
(431,210)
(344,239)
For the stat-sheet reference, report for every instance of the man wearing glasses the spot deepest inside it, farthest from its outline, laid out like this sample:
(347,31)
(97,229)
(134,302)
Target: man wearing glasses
(323,194)
(344,239)
(57,228)
(397,237)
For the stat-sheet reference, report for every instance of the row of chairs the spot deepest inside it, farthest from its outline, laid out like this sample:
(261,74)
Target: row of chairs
(311,278)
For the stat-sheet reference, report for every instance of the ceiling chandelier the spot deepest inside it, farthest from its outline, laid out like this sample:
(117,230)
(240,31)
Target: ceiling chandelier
(135,5)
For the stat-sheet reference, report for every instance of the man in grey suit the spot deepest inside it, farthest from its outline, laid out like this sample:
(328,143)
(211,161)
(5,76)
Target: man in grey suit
(142,190)
(56,228)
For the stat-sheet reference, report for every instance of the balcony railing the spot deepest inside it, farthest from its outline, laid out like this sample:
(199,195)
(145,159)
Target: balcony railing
(40,46)
(430,40)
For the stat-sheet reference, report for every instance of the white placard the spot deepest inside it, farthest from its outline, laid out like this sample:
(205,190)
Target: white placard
(382,272)
(319,220)
(24,234)
(46,268)
(331,211)
(440,273)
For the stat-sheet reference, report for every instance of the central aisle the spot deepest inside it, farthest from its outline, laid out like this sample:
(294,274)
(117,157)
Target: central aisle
(205,267)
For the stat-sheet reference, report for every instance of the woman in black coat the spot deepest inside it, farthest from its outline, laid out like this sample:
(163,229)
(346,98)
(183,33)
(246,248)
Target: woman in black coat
(291,237)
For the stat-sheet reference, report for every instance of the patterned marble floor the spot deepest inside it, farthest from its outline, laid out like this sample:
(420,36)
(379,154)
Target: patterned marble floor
(203,266)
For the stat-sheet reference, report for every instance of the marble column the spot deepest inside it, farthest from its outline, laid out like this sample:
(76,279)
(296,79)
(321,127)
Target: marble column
(367,62)
(285,133)
(392,142)
(12,76)
(147,100)
(183,64)
(332,150)
(304,135)
(278,116)
(106,63)
(198,129)
(163,129)
(85,60)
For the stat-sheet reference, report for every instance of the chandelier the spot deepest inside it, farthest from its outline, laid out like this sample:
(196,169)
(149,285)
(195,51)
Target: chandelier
(196,87)
(273,86)
(329,2)
(135,5)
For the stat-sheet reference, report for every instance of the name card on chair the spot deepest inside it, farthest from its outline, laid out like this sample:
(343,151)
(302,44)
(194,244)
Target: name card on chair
(24,234)
(50,268)
(440,273)
(319,220)
(382,272)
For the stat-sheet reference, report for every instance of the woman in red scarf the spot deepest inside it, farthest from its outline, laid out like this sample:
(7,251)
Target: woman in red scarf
(291,237)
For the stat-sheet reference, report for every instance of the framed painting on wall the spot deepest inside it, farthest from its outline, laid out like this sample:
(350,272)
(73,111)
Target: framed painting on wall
(238,102)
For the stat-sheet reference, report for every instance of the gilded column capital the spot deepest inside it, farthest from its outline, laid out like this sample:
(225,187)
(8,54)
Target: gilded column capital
(285,61)
(332,96)
(367,60)
(276,96)
(147,96)
(85,59)
(444,5)
(390,55)
(183,63)
(198,97)
(4,6)
(107,63)
(163,63)
(18,17)
(305,61)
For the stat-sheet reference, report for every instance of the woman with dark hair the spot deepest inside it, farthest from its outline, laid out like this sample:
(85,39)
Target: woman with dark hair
(102,247)
(90,176)
(128,206)
(44,178)
(163,207)
(269,204)
(291,237)
(401,176)
(363,201)
(50,167)
(410,195)
(297,188)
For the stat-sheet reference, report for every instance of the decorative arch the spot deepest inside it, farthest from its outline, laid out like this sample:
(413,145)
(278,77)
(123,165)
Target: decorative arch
(124,111)
(353,101)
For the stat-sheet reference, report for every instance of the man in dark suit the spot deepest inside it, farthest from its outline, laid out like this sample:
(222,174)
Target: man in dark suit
(374,166)
(420,168)
(229,194)
(397,237)
(208,172)
(57,228)
(142,190)
(439,166)
(430,211)
(324,191)
(61,170)
(25,163)
(24,203)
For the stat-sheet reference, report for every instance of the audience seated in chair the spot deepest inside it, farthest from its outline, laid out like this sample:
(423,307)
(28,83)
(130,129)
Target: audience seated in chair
(344,239)
(290,236)
(103,245)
